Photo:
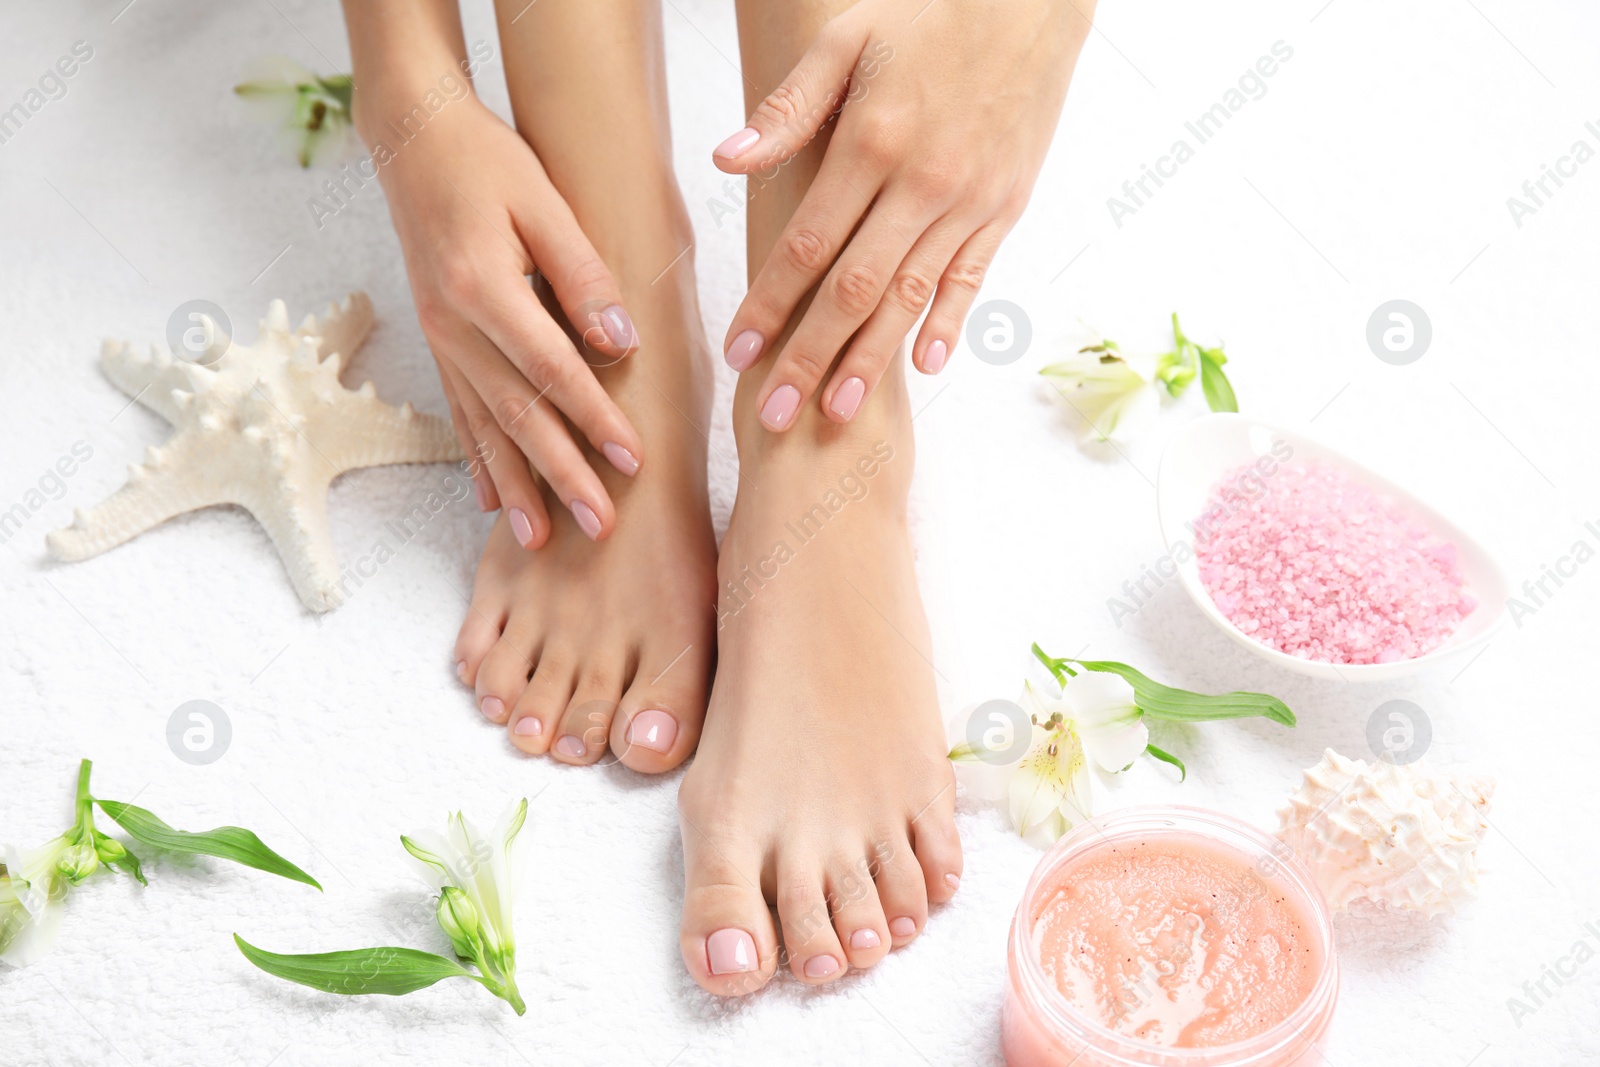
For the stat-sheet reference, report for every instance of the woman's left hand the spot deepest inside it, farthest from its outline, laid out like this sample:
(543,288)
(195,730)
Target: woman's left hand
(948,108)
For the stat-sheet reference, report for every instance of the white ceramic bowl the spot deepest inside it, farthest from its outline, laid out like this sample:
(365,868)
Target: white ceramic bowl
(1208,449)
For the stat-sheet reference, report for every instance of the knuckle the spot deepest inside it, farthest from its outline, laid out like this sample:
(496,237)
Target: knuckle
(911,291)
(458,278)
(508,410)
(433,313)
(806,249)
(965,276)
(806,364)
(783,106)
(875,139)
(856,289)
(590,272)
(934,178)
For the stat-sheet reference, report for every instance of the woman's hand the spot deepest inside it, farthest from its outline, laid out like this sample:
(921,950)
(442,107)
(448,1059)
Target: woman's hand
(476,215)
(946,110)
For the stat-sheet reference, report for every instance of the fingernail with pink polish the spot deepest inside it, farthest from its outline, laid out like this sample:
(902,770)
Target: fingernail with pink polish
(653,729)
(528,726)
(780,407)
(821,966)
(933,359)
(520,526)
(738,144)
(588,521)
(570,746)
(730,951)
(847,397)
(745,349)
(904,926)
(482,494)
(618,327)
(492,708)
(865,938)
(620,458)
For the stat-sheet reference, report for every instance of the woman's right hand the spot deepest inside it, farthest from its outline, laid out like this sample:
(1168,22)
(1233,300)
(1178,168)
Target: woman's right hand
(476,214)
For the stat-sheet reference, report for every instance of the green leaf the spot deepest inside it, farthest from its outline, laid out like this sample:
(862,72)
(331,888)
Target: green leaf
(1180,705)
(1214,383)
(225,842)
(390,972)
(1167,757)
(116,855)
(1057,667)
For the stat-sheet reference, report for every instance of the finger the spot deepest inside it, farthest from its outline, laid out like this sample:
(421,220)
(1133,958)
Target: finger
(512,318)
(582,282)
(792,114)
(502,462)
(875,344)
(527,418)
(482,481)
(850,293)
(809,245)
(958,287)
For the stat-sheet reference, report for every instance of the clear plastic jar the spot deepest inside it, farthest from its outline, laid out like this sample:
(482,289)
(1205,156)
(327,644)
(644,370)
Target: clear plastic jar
(1040,1028)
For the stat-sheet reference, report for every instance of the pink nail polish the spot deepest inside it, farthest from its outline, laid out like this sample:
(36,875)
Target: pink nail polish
(780,407)
(571,746)
(492,708)
(731,951)
(848,396)
(528,726)
(653,729)
(738,144)
(620,458)
(904,926)
(461,670)
(588,521)
(865,938)
(744,350)
(618,327)
(933,359)
(520,526)
(821,966)
(482,494)
(953,881)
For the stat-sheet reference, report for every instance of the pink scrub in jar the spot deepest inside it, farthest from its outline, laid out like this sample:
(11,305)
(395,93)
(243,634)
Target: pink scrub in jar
(1169,936)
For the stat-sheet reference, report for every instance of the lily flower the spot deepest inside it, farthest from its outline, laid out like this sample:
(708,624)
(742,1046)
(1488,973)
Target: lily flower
(1115,394)
(313,110)
(478,877)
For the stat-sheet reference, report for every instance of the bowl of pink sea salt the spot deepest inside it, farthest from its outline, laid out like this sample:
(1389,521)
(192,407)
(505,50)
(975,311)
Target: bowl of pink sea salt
(1315,562)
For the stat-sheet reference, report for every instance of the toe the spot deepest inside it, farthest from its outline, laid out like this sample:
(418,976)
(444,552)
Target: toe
(661,713)
(479,632)
(858,919)
(901,890)
(815,955)
(584,731)
(938,849)
(726,935)
(504,672)
(539,709)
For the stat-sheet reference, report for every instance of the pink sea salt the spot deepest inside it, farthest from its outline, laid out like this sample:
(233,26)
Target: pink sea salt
(1317,564)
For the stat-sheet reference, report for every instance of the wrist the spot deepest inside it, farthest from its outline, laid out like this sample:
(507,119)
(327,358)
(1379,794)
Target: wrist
(400,101)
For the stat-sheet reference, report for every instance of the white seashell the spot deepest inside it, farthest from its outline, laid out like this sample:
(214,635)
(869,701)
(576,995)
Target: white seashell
(1392,834)
(313,429)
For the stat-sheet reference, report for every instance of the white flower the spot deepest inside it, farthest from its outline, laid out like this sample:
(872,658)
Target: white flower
(1115,394)
(311,111)
(1047,789)
(478,877)
(32,894)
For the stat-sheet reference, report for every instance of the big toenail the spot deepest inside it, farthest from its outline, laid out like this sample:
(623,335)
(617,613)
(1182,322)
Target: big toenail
(568,745)
(904,926)
(492,708)
(864,938)
(953,881)
(528,726)
(821,966)
(653,729)
(730,951)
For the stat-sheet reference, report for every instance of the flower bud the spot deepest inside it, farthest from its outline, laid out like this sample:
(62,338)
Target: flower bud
(459,918)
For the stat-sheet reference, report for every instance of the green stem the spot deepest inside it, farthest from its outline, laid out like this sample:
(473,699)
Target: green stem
(83,824)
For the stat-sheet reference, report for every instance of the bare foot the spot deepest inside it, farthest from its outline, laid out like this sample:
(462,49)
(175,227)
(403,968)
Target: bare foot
(821,784)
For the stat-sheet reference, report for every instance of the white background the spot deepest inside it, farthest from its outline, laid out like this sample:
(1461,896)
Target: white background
(1376,166)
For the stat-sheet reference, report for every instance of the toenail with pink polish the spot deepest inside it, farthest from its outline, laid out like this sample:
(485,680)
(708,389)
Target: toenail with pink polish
(492,707)
(780,407)
(864,938)
(730,951)
(953,881)
(744,350)
(621,458)
(588,521)
(653,729)
(848,396)
(821,966)
(568,745)
(904,926)
(528,726)
(520,526)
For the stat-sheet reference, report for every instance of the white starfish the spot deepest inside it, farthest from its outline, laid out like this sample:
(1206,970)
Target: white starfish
(268,427)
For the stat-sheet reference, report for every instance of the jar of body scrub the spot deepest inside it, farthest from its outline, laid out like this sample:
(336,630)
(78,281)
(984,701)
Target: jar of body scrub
(1173,937)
